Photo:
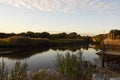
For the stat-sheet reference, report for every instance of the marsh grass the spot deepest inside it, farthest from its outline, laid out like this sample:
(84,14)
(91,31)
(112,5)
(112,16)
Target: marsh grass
(19,71)
(3,71)
(28,42)
(112,42)
(22,41)
(72,67)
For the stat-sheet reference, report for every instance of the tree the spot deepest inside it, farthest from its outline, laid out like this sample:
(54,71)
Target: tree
(114,34)
(62,35)
(44,35)
(30,34)
(99,38)
(72,35)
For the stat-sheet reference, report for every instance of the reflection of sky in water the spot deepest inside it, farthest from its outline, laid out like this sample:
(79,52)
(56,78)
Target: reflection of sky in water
(89,55)
(46,59)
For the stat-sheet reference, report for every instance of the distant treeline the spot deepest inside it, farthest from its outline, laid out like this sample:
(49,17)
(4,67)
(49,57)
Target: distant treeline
(32,39)
(113,34)
(45,39)
(72,35)
(22,41)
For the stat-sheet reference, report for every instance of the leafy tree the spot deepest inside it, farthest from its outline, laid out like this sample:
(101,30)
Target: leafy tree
(30,34)
(72,35)
(99,38)
(62,35)
(44,35)
(114,34)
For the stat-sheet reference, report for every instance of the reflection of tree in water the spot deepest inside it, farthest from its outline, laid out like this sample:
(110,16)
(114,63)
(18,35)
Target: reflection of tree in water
(97,47)
(71,48)
(85,47)
(23,53)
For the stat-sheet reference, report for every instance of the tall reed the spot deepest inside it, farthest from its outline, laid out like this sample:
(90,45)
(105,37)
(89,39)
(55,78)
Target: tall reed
(3,71)
(19,71)
(72,67)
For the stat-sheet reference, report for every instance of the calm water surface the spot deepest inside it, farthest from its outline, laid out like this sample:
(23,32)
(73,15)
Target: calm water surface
(46,58)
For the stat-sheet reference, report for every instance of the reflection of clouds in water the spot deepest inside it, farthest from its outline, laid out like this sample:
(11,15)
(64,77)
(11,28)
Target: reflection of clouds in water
(89,55)
(98,62)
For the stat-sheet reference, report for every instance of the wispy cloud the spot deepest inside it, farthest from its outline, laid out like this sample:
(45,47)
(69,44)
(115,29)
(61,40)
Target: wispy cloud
(63,5)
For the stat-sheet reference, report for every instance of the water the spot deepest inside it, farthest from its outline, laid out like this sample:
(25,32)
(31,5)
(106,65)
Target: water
(45,58)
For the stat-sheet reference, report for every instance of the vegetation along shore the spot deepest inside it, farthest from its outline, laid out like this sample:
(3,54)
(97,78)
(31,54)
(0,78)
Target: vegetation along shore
(45,39)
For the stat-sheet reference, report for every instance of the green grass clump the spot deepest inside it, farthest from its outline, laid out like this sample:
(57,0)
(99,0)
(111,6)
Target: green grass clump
(72,67)
(19,72)
(3,71)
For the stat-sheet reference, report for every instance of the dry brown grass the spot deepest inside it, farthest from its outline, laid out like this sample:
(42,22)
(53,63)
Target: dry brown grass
(112,42)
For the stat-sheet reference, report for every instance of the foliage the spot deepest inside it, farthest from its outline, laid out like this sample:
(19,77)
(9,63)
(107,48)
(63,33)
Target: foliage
(22,41)
(3,42)
(114,34)
(72,67)
(19,40)
(37,39)
(45,75)
(19,72)
(69,66)
(99,38)
(5,35)
(3,71)
(72,35)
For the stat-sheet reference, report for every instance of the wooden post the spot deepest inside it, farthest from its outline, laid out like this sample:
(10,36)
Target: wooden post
(103,59)
(108,60)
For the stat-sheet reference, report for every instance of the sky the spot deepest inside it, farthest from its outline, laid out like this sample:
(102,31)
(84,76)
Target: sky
(55,16)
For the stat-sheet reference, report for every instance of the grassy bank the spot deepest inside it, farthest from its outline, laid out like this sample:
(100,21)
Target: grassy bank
(112,42)
(21,41)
